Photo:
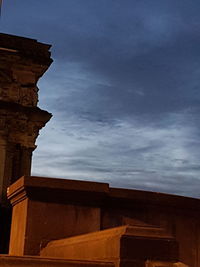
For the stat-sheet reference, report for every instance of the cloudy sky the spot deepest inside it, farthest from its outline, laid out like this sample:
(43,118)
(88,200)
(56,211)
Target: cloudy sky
(124,90)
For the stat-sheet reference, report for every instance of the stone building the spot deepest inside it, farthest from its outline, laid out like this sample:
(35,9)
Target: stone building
(57,222)
(22,62)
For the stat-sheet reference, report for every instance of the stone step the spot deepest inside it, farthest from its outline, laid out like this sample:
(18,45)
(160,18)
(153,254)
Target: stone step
(125,243)
(35,261)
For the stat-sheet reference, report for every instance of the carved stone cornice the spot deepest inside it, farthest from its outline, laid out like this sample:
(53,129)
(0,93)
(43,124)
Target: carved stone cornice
(22,62)
(20,124)
(26,48)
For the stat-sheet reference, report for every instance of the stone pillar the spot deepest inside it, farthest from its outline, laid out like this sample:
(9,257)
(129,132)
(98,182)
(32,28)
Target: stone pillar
(22,62)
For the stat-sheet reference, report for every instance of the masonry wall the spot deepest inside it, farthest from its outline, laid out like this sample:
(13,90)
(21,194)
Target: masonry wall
(57,208)
(181,220)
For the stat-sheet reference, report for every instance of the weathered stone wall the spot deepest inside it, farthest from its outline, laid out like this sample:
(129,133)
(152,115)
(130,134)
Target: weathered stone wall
(22,62)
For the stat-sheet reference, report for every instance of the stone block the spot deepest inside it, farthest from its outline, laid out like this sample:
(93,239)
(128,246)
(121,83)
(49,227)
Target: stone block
(125,245)
(46,209)
(88,206)
(22,62)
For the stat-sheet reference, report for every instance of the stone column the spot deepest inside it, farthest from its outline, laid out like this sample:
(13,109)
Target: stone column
(22,62)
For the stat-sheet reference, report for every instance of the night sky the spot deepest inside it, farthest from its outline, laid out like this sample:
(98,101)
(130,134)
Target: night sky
(124,90)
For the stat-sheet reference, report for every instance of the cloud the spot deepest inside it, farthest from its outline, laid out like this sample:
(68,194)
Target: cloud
(124,90)
(126,154)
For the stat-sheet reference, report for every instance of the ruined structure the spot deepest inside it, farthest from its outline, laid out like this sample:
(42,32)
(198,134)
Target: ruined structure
(22,62)
(57,222)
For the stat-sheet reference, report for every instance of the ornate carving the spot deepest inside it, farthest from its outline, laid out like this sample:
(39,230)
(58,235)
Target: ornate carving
(17,127)
(22,63)
(19,87)
(29,95)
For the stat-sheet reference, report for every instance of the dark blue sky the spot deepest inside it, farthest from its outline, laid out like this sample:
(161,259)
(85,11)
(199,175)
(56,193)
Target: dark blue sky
(124,90)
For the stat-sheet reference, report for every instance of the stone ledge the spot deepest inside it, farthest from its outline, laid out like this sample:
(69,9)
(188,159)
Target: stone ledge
(17,261)
(129,197)
(26,47)
(116,244)
(41,188)
(125,230)
(76,191)
(164,264)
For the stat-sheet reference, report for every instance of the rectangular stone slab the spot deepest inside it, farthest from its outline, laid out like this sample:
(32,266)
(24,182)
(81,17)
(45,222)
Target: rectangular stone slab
(44,209)
(127,243)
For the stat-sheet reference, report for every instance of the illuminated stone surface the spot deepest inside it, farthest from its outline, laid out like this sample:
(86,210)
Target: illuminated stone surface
(123,245)
(47,209)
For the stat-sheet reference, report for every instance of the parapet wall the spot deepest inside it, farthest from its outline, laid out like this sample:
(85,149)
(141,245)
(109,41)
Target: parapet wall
(46,209)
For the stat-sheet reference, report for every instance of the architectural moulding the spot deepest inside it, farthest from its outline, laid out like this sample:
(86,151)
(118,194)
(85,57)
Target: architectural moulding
(22,62)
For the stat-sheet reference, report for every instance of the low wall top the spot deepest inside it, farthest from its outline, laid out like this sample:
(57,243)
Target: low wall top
(64,190)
